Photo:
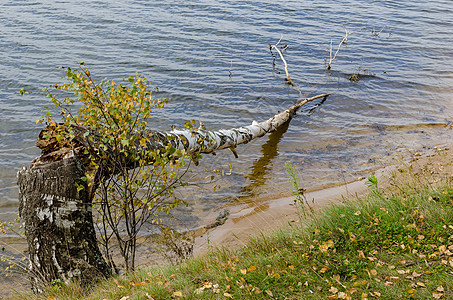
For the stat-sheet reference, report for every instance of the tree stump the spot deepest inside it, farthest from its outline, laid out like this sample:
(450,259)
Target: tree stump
(58,223)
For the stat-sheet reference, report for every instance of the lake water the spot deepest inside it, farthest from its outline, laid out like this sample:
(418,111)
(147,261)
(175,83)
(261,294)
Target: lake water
(212,59)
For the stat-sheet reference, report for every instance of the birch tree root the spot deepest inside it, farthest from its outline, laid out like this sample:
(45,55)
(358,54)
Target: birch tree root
(58,225)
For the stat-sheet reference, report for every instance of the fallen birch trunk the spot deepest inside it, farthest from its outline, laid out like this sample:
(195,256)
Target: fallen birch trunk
(204,141)
(57,216)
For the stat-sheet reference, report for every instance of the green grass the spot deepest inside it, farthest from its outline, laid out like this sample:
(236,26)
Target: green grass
(396,243)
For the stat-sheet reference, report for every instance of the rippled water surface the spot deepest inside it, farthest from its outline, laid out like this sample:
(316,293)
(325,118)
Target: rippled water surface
(212,59)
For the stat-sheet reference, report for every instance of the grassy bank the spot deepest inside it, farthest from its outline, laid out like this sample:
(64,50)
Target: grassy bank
(395,243)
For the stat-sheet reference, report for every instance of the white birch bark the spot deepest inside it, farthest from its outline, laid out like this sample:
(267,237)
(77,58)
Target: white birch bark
(204,141)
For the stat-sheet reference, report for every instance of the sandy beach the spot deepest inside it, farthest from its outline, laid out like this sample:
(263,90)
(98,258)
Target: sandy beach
(261,216)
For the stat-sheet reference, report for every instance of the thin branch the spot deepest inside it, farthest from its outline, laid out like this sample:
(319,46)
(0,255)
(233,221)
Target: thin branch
(284,61)
(344,41)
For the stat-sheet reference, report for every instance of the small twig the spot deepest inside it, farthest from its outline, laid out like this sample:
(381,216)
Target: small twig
(377,33)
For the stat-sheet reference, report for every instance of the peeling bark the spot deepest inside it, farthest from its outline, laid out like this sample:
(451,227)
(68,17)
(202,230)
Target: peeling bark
(205,141)
(59,225)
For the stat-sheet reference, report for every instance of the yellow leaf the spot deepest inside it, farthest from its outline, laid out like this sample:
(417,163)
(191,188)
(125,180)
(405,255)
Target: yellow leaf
(117,284)
(276,275)
(253,268)
(51,298)
(177,294)
(244,271)
(332,297)
(228,295)
(421,284)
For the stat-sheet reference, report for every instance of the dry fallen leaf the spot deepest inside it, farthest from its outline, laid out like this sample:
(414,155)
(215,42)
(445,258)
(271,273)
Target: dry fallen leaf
(415,274)
(333,290)
(228,295)
(253,268)
(269,293)
(440,288)
(394,278)
(125,297)
(437,295)
(243,271)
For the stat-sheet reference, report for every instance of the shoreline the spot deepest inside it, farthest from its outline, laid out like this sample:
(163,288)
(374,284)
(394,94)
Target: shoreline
(262,216)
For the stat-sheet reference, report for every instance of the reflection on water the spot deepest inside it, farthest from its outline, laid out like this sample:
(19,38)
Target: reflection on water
(263,165)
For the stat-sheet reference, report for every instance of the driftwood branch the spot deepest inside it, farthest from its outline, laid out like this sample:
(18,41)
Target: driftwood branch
(344,41)
(275,47)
